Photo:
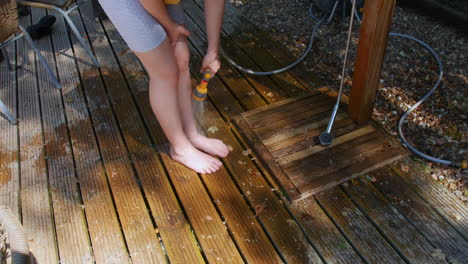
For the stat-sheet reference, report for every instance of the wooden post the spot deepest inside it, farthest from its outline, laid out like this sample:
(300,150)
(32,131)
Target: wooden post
(373,38)
(8,19)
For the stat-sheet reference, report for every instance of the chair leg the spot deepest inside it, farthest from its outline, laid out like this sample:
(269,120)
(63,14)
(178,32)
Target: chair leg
(41,59)
(7,58)
(4,110)
(77,34)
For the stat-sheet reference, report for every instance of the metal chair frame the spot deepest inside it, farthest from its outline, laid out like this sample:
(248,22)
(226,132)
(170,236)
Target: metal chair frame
(65,10)
(13,38)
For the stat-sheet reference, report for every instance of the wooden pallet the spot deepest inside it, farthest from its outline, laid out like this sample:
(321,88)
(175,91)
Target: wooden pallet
(284,135)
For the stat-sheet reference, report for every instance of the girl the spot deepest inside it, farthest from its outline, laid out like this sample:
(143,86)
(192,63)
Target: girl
(154,30)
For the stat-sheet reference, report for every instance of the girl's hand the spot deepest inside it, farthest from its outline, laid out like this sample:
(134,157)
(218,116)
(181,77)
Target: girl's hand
(211,61)
(175,32)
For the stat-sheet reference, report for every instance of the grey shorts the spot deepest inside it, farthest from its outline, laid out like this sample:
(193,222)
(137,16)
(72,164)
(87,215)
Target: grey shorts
(138,28)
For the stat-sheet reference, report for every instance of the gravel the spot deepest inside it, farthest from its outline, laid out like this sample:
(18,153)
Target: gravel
(438,127)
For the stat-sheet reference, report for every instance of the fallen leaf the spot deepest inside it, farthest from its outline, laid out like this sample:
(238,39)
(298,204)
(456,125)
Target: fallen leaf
(357,211)
(247,152)
(438,254)
(259,209)
(404,167)
(213,129)
(456,217)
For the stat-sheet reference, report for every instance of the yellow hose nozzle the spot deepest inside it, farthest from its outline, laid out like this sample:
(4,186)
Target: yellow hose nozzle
(201,91)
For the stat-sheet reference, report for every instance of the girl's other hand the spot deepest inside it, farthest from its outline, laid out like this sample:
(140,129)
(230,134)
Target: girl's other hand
(211,61)
(175,32)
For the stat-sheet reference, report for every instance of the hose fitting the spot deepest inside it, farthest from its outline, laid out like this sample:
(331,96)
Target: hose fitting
(201,91)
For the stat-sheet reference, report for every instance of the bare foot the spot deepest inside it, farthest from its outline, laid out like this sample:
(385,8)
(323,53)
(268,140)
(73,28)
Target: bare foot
(196,160)
(210,145)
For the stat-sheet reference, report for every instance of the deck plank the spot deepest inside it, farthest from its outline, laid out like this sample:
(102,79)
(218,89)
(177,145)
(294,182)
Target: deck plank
(139,233)
(263,86)
(66,201)
(334,248)
(448,206)
(398,230)
(171,222)
(421,215)
(36,211)
(9,149)
(106,239)
(272,48)
(243,34)
(279,224)
(358,229)
(229,202)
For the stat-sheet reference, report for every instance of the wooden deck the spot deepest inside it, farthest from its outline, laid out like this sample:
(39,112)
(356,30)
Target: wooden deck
(86,172)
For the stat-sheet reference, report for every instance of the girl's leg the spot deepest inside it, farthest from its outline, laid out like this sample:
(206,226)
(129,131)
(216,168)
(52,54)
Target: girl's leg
(162,69)
(211,146)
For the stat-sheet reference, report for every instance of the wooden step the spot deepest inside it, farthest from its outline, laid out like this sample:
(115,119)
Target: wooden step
(284,135)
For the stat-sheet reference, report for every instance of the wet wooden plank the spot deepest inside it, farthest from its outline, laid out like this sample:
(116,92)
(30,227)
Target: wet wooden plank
(282,179)
(66,201)
(276,50)
(279,224)
(413,246)
(274,134)
(421,215)
(369,161)
(36,211)
(138,229)
(103,226)
(332,245)
(251,240)
(359,230)
(448,206)
(209,228)
(167,212)
(283,86)
(239,86)
(308,138)
(9,164)
(296,159)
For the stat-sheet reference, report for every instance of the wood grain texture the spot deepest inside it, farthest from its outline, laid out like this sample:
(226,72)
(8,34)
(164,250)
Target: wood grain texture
(138,229)
(422,216)
(448,206)
(358,229)
(373,38)
(332,245)
(102,222)
(36,207)
(9,148)
(286,84)
(172,225)
(65,197)
(413,246)
(281,54)
(209,228)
